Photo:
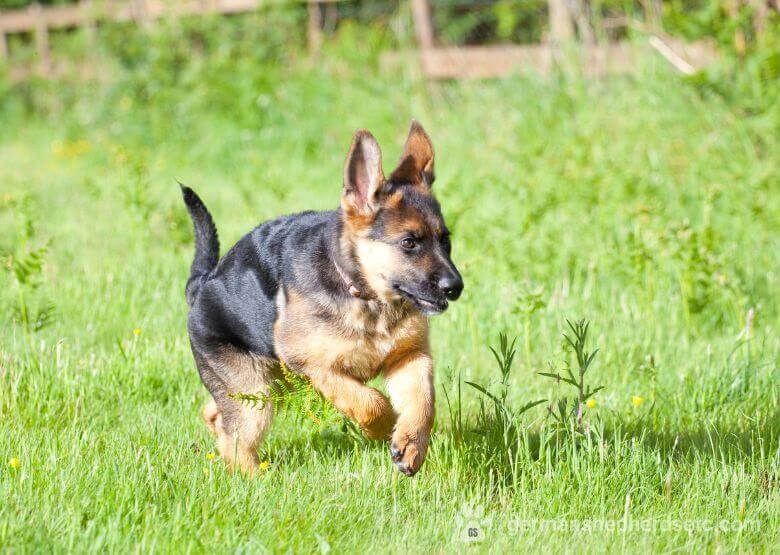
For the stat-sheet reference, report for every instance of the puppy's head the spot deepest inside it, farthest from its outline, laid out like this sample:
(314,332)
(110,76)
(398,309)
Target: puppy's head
(394,225)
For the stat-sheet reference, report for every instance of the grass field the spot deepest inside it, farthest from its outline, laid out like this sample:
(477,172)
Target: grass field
(644,205)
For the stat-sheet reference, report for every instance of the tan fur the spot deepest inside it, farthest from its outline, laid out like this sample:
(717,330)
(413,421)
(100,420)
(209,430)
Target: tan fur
(417,160)
(404,220)
(339,357)
(378,261)
(393,201)
(240,427)
(211,415)
(363,177)
(363,404)
(410,385)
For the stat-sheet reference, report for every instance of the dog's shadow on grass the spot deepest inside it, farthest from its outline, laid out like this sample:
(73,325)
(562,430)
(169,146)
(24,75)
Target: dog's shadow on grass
(494,453)
(329,443)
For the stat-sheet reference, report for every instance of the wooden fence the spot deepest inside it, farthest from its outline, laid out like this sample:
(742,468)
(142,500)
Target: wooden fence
(566,21)
(88,14)
(565,24)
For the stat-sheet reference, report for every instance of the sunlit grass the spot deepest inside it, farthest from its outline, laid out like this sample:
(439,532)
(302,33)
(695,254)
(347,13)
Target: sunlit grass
(639,204)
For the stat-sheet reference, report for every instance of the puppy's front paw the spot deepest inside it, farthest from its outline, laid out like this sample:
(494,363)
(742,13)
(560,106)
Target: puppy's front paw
(408,451)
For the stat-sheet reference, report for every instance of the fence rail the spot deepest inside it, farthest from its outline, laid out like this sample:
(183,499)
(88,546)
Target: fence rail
(481,62)
(437,62)
(87,13)
(90,11)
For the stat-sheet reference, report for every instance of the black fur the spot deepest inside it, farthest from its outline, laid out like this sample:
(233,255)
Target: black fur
(206,242)
(233,303)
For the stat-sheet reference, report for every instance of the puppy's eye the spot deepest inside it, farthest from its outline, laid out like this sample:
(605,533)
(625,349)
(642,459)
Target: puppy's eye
(408,243)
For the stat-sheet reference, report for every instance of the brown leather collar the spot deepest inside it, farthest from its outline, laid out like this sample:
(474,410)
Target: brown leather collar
(351,287)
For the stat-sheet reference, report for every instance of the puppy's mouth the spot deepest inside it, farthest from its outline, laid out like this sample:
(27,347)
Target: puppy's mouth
(426,305)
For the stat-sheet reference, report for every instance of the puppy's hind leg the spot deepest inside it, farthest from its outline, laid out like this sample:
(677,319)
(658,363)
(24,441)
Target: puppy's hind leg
(211,416)
(240,432)
(239,426)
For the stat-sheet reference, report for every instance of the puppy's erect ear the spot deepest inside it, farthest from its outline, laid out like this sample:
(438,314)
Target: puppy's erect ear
(363,177)
(416,164)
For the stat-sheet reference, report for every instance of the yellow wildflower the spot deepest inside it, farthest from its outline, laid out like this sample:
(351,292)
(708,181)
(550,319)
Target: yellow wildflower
(590,403)
(265,465)
(14,463)
(137,331)
(637,401)
(210,456)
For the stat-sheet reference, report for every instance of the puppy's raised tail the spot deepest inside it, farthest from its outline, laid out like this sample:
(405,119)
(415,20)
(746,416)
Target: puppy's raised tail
(206,243)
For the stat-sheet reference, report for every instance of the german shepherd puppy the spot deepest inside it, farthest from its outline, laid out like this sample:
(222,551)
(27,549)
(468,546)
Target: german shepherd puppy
(338,296)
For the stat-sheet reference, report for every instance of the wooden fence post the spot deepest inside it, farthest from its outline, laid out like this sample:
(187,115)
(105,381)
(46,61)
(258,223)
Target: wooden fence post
(732,8)
(653,11)
(761,11)
(3,46)
(580,10)
(42,38)
(87,8)
(561,23)
(314,29)
(140,14)
(331,17)
(423,25)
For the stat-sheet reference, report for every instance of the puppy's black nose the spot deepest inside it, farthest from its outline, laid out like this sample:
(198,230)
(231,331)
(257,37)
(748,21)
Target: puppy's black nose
(451,285)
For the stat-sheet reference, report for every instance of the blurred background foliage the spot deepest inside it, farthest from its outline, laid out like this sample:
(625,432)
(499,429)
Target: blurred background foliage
(478,21)
(232,65)
(524,21)
(226,63)
(233,80)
